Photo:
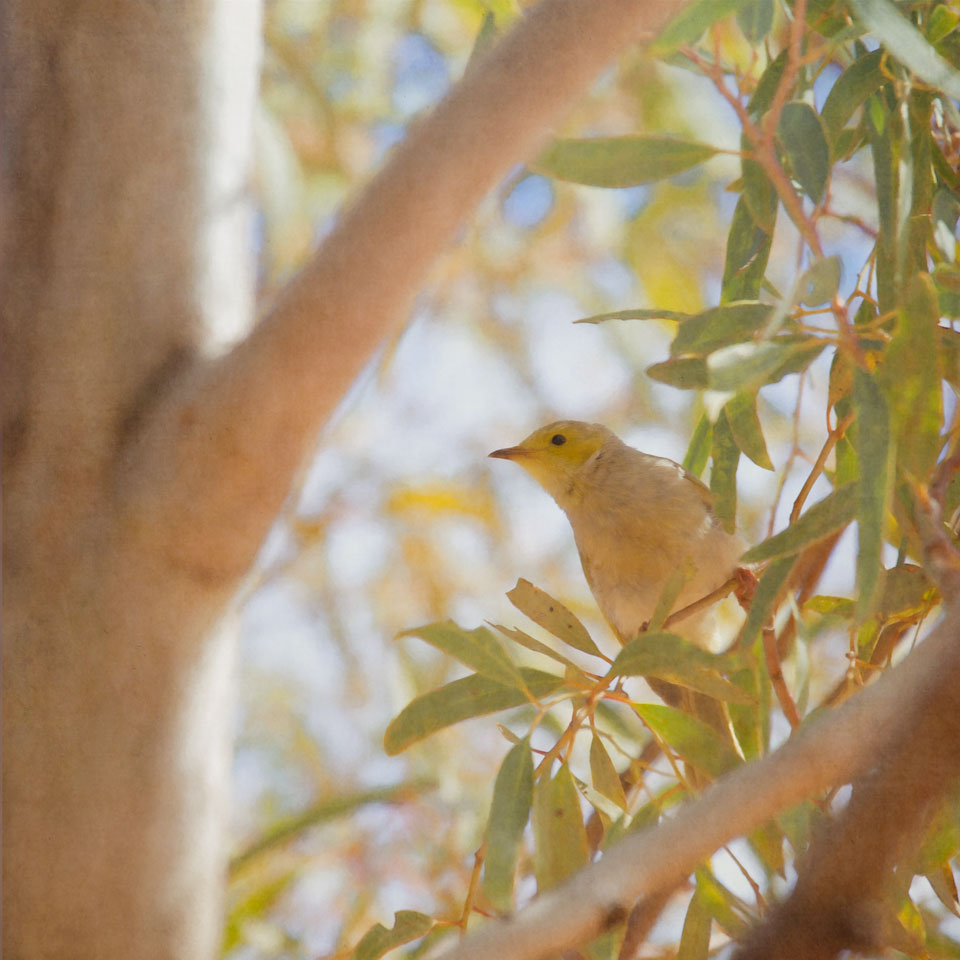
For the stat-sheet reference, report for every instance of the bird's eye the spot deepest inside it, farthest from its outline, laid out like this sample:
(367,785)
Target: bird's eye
(558,439)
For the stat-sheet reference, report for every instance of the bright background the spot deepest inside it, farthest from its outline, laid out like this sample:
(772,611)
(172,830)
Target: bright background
(401,519)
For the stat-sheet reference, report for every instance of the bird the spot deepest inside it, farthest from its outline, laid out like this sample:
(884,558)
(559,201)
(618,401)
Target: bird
(636,519)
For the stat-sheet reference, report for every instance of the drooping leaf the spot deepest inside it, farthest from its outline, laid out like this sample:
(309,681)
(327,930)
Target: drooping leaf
(525,640)
(942,22)
(478,649)
(553,616)
(638,313)
(699,448)
(850,90)
(910,376)
(685,373)
(765,599)
(667,656)
(603,773)
(759,194)
(695,936)
(755,18)
(560,839)
(509,812)
(620,161)
(408,925)
(725,457)
(767,85)
(692,21)
(472,696)
(691,739)
(802,139)
(872,441)
(741,411)
(724,906)
(907,44)
(820,282)
(719,326)
(904,592)
(748,250)
(747,366)
(832,513)
(886,179)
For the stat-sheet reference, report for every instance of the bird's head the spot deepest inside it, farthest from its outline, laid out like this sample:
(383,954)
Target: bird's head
(554,454)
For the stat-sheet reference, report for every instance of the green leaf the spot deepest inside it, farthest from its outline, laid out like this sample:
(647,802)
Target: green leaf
(741,411)
(685,373)
(851,89)
(638,313)
(748,250)
(620,161)
(472,696)
(690,24)
(512,797)
(478,649)
(408,925)
(691,739)
(747,366)
(669,593)
(910,376)
(943,21)
(803,141)
(560,840)
(904,593)
(699,449)
(667,656)
(525,640)
(907,44)
(755,19)
(725,457)
(767,85)
(872,442)
(254,905)
(828,516)
(603,773)
(723,906)
(695,937)
(553,616)
(820,282)
(760,195)
(765,599)
(886,177)
(720,326)
(944,213)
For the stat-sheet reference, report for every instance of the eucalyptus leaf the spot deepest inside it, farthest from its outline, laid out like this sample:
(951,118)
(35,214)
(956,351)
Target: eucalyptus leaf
(802,139)
(478,649)
(553,616)
(560,839)
(473,696)
(509,812)
(620,161)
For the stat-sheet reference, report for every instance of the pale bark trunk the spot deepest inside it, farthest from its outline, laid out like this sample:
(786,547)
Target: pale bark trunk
(127,136)
(142,464)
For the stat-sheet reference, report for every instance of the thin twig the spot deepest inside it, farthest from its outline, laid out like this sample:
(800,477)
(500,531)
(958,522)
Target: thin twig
(832,437)
(772,657)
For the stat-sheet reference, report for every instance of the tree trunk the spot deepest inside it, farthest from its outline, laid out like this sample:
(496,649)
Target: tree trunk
(143,459)
(126,252)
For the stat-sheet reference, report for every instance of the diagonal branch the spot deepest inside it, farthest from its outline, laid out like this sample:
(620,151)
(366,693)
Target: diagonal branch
(828,752)
(221,450)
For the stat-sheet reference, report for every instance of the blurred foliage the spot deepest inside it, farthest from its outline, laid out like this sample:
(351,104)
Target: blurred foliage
(759,218)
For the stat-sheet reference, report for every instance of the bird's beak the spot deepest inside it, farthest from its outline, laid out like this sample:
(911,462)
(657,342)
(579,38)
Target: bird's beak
(509,453)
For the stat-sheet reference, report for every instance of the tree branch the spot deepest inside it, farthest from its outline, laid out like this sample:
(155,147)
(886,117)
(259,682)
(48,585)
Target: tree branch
(221,451)
(825,753)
